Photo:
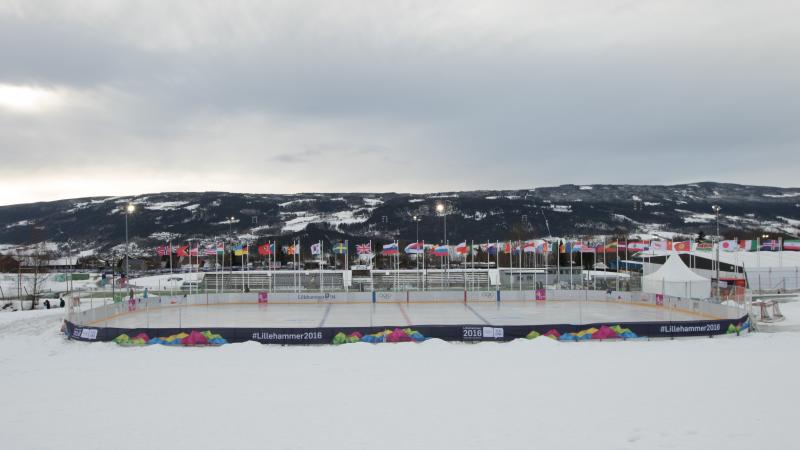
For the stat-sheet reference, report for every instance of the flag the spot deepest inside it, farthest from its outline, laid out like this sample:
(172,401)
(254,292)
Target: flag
(660,245)
(182,251)
(562,248)
(543,247)
(576,247)
(240,250)
(194,251)
(704,246)
(770,245)
(441,250)
(363,249)
(340,248)
(316,249)
(748,246)
(507,247)
(491,249)
(211,250)
(729,245)
(266,249)
(293,249)
(638,246)
(162,250)
(529,246)
(462,248)
(391,249)
(414,248)
(683,246)
(793,245)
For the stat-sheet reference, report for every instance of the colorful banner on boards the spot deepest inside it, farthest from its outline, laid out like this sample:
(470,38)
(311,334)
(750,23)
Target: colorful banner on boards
(463,333)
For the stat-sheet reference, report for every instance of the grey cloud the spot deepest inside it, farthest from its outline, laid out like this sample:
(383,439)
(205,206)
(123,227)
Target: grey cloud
(579,90)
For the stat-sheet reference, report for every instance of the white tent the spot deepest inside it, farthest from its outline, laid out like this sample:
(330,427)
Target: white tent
(676,280)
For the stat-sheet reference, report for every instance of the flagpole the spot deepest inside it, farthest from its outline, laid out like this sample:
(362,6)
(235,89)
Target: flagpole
(558,265)
(371,267)
(274,261)
(472,253)
(269,264)
(583,284)
(422,275)
(605,263)
(488,265)
(190,265)
(758,258)
(570,267)
(397,266)
(497,263)
(520,248)
(545,251)
(511,263)
(618,266)
(321,272)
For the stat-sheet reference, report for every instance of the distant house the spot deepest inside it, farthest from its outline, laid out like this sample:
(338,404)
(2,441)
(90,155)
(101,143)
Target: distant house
(46,263)
(8,264)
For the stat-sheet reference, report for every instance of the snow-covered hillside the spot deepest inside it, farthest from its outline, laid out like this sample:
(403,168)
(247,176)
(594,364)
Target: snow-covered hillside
(99,223)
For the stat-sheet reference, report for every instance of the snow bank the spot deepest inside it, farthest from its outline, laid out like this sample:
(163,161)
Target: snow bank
(687,394)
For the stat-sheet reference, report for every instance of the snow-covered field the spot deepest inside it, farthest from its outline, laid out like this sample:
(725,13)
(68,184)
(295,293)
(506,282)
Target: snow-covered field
(731,393)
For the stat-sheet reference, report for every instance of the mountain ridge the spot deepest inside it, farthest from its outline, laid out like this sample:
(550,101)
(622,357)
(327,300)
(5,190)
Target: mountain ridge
(569,209)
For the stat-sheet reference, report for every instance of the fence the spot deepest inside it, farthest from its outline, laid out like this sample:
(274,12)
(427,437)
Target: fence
(391,280)
(773,279)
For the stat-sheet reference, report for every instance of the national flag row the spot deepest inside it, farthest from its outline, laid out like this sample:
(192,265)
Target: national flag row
(538,246)
(243,249)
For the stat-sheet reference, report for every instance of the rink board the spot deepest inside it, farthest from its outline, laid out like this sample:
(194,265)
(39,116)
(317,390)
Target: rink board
(319,321)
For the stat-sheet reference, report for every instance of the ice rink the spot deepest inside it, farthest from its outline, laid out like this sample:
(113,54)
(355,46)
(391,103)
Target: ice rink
(312,315)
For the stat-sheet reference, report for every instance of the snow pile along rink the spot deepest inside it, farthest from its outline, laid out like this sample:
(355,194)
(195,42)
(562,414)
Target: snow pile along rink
(686,393)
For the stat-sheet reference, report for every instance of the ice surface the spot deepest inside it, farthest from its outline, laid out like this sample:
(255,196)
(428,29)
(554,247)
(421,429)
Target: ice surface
(282,315)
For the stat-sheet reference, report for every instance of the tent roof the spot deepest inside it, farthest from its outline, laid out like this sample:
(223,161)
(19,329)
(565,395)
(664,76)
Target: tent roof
(674,270)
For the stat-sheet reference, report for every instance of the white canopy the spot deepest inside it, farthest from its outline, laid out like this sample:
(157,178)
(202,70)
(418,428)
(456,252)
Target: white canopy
(676,280)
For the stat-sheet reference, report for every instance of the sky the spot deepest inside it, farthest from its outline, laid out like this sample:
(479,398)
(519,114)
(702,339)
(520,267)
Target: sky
(122,97)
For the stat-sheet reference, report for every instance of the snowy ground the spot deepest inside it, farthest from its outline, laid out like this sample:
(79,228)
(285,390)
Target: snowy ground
(732,393)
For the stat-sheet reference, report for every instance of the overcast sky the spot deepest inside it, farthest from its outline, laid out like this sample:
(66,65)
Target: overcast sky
(111,98)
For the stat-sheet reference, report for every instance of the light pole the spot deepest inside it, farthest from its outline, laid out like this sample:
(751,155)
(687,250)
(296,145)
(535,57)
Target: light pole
(441,210)
(717,209)
(128,211)
(416,220)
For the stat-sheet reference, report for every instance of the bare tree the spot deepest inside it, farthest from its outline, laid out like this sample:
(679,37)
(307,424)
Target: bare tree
(38,267)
